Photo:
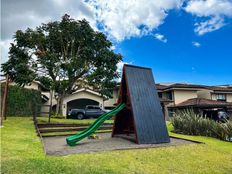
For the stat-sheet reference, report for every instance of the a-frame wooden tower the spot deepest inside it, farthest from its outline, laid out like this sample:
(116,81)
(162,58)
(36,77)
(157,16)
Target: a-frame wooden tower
(142,120)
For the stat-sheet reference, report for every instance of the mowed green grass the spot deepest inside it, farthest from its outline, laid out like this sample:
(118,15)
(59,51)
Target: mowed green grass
(70,121)
(22,152)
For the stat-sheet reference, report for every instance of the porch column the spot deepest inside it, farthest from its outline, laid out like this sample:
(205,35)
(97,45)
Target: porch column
(64,109)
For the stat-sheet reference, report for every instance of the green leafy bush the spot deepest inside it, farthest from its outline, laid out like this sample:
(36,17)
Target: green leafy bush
(190,123)
(21,100)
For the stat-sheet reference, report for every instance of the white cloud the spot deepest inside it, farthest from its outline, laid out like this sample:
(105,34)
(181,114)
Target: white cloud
(120,65)
(19,15)
(210,7)
(196,44)
(214,10)
(160,37)
(125,19)
(118,19)
(210,25)
(113,47)
(4,48)
(22,14)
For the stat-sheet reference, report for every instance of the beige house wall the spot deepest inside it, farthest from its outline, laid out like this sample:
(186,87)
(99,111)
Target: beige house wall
(229,97)
(213,96)
(34,85)
(110,102)
(204,94)
(180,96)
(87,94)
(81,94)
(54,102)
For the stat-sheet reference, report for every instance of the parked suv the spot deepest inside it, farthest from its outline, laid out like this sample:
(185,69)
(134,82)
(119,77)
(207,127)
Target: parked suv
(90,111)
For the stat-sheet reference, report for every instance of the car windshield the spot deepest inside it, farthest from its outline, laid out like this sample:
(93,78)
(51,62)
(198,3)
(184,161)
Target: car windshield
(73,111)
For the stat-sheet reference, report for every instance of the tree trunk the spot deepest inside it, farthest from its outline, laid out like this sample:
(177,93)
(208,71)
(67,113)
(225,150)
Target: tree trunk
(4,101)
(59,106)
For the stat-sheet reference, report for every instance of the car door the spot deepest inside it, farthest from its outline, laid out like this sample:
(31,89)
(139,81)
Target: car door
(73,113)
(98,111)
(90,111)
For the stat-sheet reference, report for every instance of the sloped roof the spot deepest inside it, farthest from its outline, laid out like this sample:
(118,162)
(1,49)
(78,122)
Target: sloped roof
(160,87)
(202,102)
(224,89)
(87,90)
(164,100)
(183,85)
(193,86)
(180,85)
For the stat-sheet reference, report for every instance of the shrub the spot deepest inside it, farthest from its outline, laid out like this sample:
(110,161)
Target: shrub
(190,123)
(21,100)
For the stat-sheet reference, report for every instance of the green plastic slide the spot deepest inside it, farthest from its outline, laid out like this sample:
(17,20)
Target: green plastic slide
(72,140)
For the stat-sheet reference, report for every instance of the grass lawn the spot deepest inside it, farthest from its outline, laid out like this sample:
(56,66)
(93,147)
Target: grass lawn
(72,121)
(70,133)
(22,152)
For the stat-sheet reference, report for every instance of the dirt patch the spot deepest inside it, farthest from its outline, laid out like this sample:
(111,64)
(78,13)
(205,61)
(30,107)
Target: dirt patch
(57,145)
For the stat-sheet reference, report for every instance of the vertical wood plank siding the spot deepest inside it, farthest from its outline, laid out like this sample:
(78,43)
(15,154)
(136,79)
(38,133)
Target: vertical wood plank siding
(146,109)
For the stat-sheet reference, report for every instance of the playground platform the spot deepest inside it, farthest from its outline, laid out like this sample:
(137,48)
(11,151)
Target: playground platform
(57,146)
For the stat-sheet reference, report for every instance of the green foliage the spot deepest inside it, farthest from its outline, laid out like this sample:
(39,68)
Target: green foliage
(21,100)
(72,121)
(58,116)
(64,56)
(190,123)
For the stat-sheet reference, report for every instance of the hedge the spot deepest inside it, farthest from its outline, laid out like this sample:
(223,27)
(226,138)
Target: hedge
(21,100)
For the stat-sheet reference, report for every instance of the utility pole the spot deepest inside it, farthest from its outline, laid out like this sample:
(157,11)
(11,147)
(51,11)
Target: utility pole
(4,100)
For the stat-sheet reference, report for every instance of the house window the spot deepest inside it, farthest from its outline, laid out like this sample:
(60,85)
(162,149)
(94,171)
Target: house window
(169,95)
(160,94)
(221,97)
(171,113)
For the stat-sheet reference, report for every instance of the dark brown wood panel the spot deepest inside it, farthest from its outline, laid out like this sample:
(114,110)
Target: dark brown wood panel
(143,113)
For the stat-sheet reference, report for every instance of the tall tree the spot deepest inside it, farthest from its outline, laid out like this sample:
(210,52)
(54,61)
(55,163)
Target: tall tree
(64,56)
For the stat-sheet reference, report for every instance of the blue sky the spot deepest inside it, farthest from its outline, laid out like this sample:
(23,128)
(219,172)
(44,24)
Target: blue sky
(181,40)
(178,60)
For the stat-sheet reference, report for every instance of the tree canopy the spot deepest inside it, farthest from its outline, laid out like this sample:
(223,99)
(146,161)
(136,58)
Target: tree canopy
(64,56)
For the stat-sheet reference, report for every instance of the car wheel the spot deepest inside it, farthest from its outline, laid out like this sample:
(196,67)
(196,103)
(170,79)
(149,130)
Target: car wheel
(80,116)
